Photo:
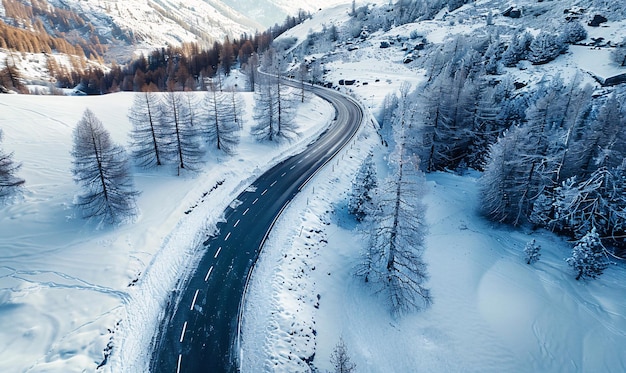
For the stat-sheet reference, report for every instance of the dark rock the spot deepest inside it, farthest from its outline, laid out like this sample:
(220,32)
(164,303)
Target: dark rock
(597,20)
(512,12)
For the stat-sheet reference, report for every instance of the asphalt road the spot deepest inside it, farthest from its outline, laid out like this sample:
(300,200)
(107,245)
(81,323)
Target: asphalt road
(200,331)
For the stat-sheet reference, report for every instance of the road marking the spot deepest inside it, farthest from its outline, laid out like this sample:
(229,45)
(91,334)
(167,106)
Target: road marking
(180,358)
(208,274)
(236,223)
(245,212)
(283,175)
(193,302)
(300,161)
(182,334)
(292,167)
(265,191)
(227,236)
(272,184)
(255,201)
(218,251)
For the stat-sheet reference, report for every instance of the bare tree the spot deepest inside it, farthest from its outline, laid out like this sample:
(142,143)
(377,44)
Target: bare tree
(102,169)
(220,127)
(177,114)
(8,168)
(274,108)
(341,359)
(148,134)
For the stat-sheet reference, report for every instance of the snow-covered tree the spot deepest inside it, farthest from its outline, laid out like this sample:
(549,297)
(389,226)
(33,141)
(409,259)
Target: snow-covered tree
(532,252)
(148,137)
(545,48)
(588,258)
(361,201)
(220,127)
(518,49)
(340,359)
(8,168)
(178,117)
(573,32)
(274,106)
(619,53)
(393,260)
(102,169)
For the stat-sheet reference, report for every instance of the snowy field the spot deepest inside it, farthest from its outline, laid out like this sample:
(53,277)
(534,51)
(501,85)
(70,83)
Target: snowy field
(64,284)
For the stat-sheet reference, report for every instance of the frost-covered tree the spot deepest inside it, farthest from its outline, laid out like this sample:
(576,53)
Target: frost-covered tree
(178,117)
(8,169)
(148,137)
(220,127)
(274,107)
(532,252)
(573,32)
(518,49)
(545,48)
(588,258)
(102,169)
(619,53)
(598,202)
(361,201)
(340,359)
(393,260)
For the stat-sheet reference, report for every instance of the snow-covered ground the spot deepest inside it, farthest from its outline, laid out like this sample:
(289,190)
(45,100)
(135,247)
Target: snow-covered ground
(491,313)
(68,289)
(65,285)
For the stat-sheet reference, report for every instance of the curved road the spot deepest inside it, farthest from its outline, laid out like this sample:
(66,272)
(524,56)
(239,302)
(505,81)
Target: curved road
(200,330)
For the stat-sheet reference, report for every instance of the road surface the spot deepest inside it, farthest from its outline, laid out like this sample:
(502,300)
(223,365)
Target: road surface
(200,332)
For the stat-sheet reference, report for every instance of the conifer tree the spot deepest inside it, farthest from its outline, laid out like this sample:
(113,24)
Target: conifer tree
(361,202)
(102,169)
(532,252)
(588,258)
(148,135)
(8,180)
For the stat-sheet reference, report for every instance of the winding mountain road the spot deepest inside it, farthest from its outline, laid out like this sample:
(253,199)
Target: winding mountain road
(200,332)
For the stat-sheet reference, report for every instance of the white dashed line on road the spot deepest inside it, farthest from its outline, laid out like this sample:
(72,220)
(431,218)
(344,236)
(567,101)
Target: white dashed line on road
(292,167)
(245,212)
(182,334)
(236,223)
(265,191)
(255,201)
(193,302)
(227,236)
(218,252)
(180,358)
(208,274)
(272,184)
(283,175)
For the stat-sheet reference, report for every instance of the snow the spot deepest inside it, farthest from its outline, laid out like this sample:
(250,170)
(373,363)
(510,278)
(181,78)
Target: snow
(67,288)
(491,313)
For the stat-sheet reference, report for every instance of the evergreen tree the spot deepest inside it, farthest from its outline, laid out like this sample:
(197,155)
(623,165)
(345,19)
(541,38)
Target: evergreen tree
(573,32)
(361,202)
(148,135)
(8,180)
(545,48)
(532,252)
(588,258)
(102,169)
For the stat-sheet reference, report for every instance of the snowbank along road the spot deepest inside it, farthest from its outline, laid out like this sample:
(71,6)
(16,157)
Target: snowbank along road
(200,330)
